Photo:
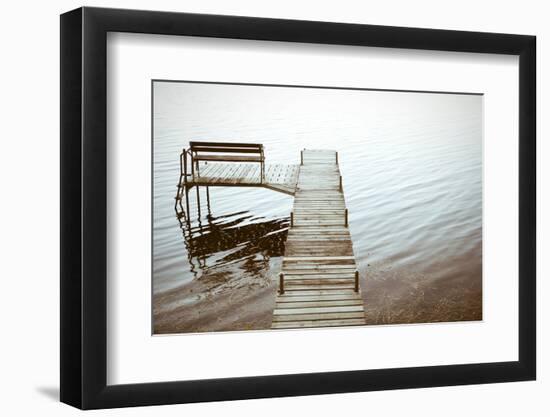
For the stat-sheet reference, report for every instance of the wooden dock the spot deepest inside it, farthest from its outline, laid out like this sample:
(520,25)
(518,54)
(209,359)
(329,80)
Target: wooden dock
(319,282)
(277,177)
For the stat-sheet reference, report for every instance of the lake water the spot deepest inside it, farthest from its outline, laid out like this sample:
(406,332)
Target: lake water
(412,171)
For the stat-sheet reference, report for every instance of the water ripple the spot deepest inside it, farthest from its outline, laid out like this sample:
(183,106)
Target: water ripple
(411,167)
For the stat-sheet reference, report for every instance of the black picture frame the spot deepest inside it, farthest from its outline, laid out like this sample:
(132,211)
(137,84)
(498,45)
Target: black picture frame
(84,207)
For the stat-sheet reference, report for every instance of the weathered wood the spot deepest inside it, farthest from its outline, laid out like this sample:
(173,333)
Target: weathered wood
(318,264)
(322,262)
(229,158)
(319,231)
(293,299)
(281,283)
(317,293)
(321,316)
(315,258)
(318,310)
(317,287)
(318,303)
(312,273)
(293,269)
(293,278)
(319,281)
(225,144)
(277,177)
(225,149)
(318,323)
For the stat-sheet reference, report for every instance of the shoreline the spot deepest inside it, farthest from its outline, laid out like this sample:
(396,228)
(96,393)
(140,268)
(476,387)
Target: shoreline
(229,300)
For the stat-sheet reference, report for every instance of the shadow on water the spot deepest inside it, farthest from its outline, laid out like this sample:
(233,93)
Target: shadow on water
(239,239)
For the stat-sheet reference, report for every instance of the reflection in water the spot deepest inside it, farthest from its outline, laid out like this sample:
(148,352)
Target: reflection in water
(218,241)
(230,257)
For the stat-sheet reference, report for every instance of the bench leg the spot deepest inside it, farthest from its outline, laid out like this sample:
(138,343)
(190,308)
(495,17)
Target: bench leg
(262,173)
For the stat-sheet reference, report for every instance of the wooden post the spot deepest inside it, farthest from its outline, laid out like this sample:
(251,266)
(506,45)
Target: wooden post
(187,205)
(262,171)
(356,281)
(341,184)
(192,167)
(183,169)
(281,283)
(336,158)
(262,165)
(199,203)
(302,157)
(291,219)
(346,218)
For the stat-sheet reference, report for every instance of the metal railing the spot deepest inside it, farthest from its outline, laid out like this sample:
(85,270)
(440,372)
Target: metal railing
(282,282)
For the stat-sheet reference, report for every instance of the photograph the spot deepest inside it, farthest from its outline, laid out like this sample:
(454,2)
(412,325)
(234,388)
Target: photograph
(291,207)
(280,204)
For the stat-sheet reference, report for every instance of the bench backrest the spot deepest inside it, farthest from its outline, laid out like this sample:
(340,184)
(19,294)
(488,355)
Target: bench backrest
(225,147)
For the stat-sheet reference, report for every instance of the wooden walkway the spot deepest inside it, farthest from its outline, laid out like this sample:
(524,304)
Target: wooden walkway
(319,270)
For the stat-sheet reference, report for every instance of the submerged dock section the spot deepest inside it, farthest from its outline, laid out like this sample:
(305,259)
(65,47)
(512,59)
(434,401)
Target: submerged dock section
(318,284)
(215,164)
(319,281)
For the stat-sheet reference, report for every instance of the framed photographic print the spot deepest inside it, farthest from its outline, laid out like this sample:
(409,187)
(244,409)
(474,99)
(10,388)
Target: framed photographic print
(258,207)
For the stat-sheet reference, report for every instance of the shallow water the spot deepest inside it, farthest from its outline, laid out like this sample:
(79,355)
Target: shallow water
(412,171)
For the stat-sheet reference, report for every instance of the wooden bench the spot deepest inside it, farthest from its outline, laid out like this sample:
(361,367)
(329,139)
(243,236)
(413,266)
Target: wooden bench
(224,152)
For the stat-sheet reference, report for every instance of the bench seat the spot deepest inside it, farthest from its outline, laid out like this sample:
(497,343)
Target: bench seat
(228,158)
(221,152)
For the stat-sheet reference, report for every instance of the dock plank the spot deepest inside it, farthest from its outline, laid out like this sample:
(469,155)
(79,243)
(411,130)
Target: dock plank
(318,323)
(278,177)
